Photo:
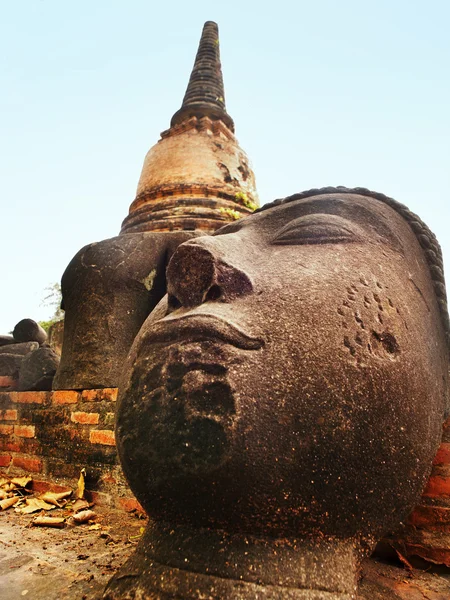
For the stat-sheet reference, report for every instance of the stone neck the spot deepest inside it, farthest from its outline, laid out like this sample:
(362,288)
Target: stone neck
(189,562)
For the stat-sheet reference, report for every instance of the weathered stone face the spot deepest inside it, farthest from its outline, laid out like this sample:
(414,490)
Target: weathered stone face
(109,288)
(295,384)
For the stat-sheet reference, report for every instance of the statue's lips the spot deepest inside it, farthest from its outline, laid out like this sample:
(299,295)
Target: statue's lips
(201,327)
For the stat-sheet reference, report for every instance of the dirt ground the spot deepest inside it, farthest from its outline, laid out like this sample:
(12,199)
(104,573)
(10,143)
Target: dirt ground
(75,562)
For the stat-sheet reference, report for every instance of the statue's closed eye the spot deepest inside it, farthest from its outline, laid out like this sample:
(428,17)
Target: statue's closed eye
(319,229)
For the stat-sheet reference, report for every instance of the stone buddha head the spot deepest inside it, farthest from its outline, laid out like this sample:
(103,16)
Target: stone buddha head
(293,383)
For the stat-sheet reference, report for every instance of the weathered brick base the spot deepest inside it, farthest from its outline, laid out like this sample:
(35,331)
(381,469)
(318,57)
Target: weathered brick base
(53,435)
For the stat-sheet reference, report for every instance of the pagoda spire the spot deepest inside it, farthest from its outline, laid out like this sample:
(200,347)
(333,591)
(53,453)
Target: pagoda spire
(197,177)
(205,96)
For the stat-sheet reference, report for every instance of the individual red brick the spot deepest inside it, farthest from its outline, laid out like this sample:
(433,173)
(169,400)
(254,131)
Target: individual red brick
(85,418)
(23,445)
(7,444)
(431,553)
(8,415)
(6,429)
(25,431)
(107,394)
(110,394)
(40,486)
(430,518)
(7,382)
(89,395)
(102,436)
(443,455)
(5,459)
(34,465)
(30,446)
(437,486)
(30,397)
(130,504)
(65,397)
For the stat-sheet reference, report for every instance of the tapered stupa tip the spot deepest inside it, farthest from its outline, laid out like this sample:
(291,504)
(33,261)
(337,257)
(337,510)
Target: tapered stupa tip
(205,95)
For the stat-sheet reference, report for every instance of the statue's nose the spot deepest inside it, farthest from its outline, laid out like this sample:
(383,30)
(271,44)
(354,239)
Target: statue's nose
(197,273)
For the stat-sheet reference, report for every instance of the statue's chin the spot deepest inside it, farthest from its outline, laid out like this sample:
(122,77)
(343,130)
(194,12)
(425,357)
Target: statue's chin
(181,562)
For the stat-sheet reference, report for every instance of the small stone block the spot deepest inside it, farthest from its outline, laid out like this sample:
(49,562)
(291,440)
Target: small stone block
(28,330)
(10,364)
(21,349)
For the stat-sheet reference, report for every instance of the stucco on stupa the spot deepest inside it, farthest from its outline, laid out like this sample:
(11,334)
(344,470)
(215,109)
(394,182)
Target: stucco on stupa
(209,156)
(195,177)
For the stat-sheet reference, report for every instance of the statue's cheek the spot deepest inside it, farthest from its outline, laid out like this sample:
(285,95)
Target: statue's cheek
(370,321)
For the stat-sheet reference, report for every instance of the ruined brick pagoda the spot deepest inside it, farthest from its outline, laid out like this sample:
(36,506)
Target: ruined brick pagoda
(194,180)
(196,177)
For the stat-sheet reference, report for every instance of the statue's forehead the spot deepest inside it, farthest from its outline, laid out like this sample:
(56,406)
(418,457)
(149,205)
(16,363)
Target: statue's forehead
(370,213)
(355,205)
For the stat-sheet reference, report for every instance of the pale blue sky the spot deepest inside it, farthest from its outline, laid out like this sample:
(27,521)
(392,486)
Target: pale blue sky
(343,92)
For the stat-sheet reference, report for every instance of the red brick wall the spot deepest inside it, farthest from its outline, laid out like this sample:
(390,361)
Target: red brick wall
(427,532)
(53,435)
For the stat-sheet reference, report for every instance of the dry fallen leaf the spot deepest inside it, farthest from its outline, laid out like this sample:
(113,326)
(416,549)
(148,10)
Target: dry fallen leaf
(80,484)
(57,499)
(33,505)
(49,522)
(4,504)
(21,481)
(84,516)
(3,481)
(80,505)
(3,494)
(95,527)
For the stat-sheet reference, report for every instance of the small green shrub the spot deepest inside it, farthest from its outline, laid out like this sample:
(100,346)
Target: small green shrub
(234,214)
(242,197)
